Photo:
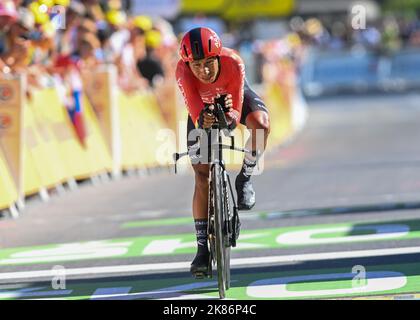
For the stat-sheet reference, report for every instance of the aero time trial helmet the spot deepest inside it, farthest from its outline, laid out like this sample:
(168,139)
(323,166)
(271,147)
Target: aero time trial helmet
(200,43)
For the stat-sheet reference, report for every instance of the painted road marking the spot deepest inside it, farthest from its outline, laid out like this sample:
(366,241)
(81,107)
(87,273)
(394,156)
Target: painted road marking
(34,292)
(277,287)
(70,252)
(103,293)
(171,266)
(171,246)
(175,292)
(275,238)
(397,279)
(308,237)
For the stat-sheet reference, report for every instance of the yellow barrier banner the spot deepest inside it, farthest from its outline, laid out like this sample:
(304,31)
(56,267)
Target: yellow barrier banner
(141,121)
(194,6)
(79,162)
(154,122)
(130,149)
(37,155)
(33,182)
(245,9)
(240,9)
(75,161)
(166,95)
(8,192)
(280,115)
(11,129)
(39,106)
(100,89)
(96,149)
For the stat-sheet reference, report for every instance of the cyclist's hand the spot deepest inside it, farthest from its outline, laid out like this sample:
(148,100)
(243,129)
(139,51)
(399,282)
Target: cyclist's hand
(207,119)
(228,101)
(231,114)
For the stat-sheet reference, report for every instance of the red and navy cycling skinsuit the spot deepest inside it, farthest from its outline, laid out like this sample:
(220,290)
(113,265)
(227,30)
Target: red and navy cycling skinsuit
(230,80)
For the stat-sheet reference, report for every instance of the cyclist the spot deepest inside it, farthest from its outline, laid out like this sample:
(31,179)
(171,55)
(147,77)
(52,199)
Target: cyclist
(205,71)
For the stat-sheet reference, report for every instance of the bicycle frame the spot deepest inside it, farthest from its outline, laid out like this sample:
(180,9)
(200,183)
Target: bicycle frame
(223,224)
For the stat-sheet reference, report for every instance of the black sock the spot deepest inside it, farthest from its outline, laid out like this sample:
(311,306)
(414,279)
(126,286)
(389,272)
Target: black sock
(247,169)
(201,233)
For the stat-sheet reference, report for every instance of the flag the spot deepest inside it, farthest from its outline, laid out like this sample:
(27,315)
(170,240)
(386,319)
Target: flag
(76,115)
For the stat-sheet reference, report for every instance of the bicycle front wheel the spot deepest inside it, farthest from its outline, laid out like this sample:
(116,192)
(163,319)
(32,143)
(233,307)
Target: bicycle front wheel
(220,214)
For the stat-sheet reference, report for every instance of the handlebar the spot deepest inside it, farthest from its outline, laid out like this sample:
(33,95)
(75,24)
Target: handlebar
(176,156)
(219,112)
(221,125)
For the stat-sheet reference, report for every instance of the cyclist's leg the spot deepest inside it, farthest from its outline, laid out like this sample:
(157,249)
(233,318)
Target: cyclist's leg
(199,265)
(201,173)
(200,206)
(256,118)
(201,191)
(258,124)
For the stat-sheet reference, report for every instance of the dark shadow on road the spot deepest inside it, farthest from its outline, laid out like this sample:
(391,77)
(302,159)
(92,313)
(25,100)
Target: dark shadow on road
(361,208)
(392,227)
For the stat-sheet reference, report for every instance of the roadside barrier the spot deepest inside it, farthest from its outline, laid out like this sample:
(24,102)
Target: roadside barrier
(11,133)
(8,194)
(40,149)
(280,115)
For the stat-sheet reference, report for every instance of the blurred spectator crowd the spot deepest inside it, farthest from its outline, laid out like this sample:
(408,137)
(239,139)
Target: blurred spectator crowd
(54,42)
(58,38)
(389,33)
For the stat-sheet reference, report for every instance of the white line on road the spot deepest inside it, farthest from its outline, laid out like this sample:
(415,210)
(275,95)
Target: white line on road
(168,266)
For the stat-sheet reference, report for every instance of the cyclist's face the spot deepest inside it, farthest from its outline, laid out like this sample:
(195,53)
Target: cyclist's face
(205,70)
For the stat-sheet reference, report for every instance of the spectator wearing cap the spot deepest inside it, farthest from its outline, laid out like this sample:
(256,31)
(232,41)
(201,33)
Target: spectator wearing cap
(66,39)
(86,26)
(87,51)
(167,51)
(125,47)
(138,28)
(120,35)
(150,66)
(94,10)
(8,15)
(106,54)
(17,44)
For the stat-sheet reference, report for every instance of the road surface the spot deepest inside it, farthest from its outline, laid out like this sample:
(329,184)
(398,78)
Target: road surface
(337,217)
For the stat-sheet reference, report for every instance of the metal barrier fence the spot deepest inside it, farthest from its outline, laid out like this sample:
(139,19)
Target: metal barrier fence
(329,72)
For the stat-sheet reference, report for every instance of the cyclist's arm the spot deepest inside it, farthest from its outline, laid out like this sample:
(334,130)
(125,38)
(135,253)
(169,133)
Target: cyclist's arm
(189,92)
(236,88)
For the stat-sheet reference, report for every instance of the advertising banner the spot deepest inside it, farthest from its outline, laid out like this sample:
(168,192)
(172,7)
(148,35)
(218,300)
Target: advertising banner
(239,9)
(11,126)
